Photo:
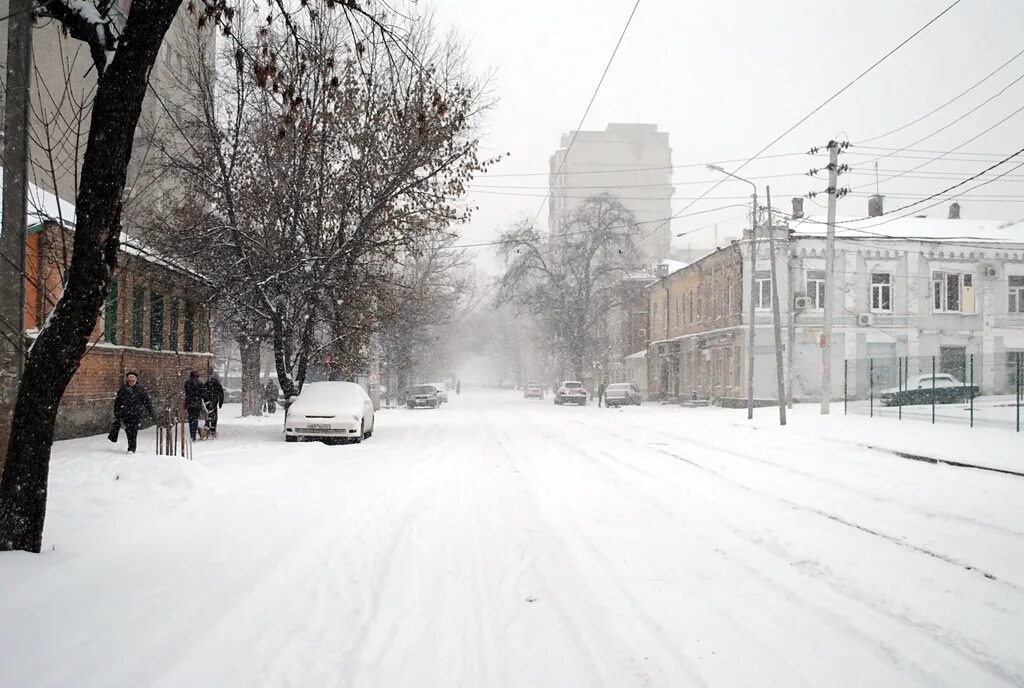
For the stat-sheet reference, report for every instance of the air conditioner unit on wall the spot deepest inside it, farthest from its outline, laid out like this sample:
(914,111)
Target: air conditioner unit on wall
(801,303)
(864,320)
(990,272)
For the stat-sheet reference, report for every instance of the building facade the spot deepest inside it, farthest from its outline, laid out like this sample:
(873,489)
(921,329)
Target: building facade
(155,322)
(632,162)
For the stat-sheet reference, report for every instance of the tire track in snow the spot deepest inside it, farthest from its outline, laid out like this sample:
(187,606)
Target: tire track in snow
(849,589)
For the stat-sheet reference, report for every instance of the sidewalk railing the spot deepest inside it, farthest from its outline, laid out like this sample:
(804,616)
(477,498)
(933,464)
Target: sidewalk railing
(951,388)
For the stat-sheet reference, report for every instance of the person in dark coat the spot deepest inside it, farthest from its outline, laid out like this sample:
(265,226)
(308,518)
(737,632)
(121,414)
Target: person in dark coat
(213,399)
(193,402)
(270,396)
(131,402)
(600,393)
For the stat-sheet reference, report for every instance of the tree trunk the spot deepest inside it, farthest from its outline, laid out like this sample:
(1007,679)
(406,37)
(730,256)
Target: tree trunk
(58,351)
(252,391)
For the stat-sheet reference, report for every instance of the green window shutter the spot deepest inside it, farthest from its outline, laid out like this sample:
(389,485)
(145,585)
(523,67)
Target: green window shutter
(156,321)
(110,315)
(138,315)
(202,329)
(173,329)
(190,326)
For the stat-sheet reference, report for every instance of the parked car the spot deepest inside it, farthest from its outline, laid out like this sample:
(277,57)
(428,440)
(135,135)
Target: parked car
(329,411)
(423,396)
(920,389)
(532,390)
(621,394)
(442,388)
(571,392)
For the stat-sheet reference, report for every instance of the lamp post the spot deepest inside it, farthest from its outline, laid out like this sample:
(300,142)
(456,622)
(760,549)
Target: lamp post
(753,289)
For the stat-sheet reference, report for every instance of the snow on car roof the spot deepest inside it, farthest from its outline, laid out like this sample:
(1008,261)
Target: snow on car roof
(331,391)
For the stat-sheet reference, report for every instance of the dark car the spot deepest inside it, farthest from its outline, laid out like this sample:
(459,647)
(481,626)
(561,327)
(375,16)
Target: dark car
(923,389)
(622,394)
(571,392)
(423,396)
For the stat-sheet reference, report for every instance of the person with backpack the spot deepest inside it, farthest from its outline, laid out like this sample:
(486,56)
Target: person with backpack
(213,399)
(193,402)
(131,401)
(270,396)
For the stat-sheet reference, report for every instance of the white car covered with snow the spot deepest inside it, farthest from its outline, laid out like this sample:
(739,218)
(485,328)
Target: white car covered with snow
(329,411)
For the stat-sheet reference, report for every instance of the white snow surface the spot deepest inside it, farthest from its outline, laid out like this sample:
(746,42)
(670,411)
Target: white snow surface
(499,541)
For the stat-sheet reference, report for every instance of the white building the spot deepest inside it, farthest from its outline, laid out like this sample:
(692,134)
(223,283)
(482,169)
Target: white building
(632,162)
(917,287)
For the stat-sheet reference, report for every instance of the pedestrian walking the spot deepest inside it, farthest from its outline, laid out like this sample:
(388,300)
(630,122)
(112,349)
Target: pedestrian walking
(600,394)
(193,402)
(270,396)
(213,399)
(458,386)
(131,401)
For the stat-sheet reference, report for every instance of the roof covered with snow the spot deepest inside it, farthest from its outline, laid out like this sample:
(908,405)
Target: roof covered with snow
(919,228)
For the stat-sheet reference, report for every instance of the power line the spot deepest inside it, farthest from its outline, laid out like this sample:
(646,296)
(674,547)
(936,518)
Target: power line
(832,97)
(499,242)
(593,96)
(946,104)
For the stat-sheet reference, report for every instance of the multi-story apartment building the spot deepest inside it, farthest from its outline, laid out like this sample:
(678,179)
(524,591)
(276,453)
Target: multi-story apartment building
(632,162)
(914,287)
(63,82)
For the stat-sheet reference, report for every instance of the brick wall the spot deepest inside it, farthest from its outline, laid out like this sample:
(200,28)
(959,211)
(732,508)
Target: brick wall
(87,407)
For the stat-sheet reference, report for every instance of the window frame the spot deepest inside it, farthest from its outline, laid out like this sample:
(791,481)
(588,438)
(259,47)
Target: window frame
(880,293)
(764,291)
(110,310)
(816,294)
(138,316)
(1015,292)
(940,296)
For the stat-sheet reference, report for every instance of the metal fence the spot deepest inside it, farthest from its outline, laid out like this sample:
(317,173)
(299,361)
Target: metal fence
(954,387)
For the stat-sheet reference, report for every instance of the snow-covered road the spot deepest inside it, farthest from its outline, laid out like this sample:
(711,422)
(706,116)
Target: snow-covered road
(504,542)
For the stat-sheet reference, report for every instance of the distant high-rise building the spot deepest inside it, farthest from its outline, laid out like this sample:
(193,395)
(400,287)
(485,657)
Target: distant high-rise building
(632,162)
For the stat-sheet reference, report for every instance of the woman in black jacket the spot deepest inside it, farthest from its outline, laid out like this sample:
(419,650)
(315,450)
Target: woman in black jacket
(131,402)
(213,399)
(193,402)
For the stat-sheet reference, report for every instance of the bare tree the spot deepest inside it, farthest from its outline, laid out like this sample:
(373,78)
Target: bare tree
(569,281)
(123,50)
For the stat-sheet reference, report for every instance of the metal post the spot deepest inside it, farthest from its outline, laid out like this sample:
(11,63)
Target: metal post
(1019,357)
(752,309)
(933,390)
(15,189)
(846,378)
(871,388)
(971,392)
(780,379)
(791,322)
(899,387)
(830,282)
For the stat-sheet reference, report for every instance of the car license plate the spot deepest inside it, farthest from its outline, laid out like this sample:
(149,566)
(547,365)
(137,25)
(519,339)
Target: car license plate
(319,426)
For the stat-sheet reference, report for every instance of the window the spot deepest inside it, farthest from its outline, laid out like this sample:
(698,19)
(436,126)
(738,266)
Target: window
(946,291)
(172,331)
(729,303)
(1016,303)
(700,304)
(202,329)
(764,290)
(881,291)
(816,288)
(689,298)
(110,315)
(138,313)
(190,326)
(156,321)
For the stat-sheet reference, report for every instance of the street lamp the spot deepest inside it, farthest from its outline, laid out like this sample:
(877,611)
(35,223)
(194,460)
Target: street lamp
(753,289)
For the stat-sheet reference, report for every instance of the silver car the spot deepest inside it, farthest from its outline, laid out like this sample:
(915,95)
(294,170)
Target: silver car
(621,394)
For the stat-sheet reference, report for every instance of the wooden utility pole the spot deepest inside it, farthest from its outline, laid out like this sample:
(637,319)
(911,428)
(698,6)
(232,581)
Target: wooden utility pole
(780,378)
(15,207)
(830,282)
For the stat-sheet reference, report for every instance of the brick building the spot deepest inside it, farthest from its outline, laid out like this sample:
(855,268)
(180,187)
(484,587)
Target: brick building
(696,329)
(155,322)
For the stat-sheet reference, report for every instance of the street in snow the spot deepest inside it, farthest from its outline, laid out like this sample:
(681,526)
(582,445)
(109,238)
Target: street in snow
(504,541)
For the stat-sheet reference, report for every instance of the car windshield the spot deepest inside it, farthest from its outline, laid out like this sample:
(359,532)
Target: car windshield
(572,385)
(618,387)
(423,389)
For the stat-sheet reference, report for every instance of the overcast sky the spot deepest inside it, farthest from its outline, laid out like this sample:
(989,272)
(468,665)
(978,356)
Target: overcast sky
(725,77)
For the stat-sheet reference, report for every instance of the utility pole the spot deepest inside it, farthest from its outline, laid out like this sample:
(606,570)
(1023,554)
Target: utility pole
(15,187)
(791,325)
(780,379)
(830,282)
(752,310)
